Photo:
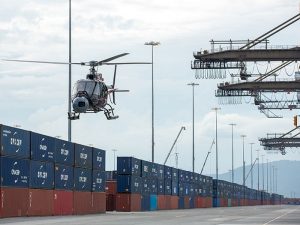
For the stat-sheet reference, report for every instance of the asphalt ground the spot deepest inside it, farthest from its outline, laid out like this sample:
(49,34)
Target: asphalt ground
(249,215)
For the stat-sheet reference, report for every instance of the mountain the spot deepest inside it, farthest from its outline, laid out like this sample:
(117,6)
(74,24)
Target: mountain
(288,177)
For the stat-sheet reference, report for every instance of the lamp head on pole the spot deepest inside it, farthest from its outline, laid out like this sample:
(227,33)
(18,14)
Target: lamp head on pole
(153,43)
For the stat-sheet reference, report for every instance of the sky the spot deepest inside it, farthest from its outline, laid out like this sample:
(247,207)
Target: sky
(35,95)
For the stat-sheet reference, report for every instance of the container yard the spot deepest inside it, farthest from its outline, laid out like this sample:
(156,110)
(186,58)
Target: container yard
(94,94)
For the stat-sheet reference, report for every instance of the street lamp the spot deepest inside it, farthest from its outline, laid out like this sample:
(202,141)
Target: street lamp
(251,165)
(70,73)
(193,85)
(152,44)
(217,160)
(257,169)
(263,172)
(232,158)
(114,150)
(267,175)
(243,137)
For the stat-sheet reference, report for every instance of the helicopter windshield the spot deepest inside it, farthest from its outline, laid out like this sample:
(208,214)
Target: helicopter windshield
(92,88)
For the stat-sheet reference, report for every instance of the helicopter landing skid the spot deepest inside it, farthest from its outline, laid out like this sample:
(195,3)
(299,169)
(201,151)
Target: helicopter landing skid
(109,113)
(73,116)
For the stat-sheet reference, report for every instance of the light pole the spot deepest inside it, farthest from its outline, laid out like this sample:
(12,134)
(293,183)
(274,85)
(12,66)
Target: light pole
(243,137)
(257,169)
(232,158)
(70,73)
(263,172)
(114,150)
(193,160)
(271,188)
(274,191)
(217,160)
(276,174)
(152,44)
(267,175)
(251,165)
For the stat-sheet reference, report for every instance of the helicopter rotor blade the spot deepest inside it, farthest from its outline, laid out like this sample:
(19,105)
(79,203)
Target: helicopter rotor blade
(113,85)
(126,63)
(45,62)
(117,90)
(112,58)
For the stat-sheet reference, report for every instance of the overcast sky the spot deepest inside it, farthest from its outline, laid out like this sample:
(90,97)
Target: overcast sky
(35,96)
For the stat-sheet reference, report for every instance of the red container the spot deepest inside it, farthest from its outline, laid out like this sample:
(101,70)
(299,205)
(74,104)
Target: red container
(208,202)
(168,201)
(82,202)
(98,202)
(186,202)
(161,202)
(62,203)
(201,202)
(111,187)
(14,202)
(224,202)
(110,202)
(174,202)
(40,202)
(128,202)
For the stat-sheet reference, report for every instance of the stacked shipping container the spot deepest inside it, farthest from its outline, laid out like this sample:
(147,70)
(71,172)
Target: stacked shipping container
(38,177)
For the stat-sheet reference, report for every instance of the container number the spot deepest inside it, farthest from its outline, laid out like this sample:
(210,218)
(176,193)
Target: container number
(15,141)
(64,152)
(99,181)
(99,159)
(15,172)
(42,175)
(83,156)
(43,147)
(64,177)
(82,179)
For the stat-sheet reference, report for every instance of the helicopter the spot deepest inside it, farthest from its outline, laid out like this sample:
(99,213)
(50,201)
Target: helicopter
(91,95)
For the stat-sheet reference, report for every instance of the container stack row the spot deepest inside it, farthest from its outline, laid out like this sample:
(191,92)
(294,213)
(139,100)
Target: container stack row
(43,176)
(147,186)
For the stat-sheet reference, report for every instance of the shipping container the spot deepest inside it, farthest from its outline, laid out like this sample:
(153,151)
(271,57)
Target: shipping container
(146,186)
(145,202)
(168,172)
(181,202)
(128,166)
(111,175)
(146,168)
(42,147)
(153,202)
(192,202)
(83,156)
(82,202)
(175,177)
(41,175)
(98,202)
(64,177)
(14,202)
(111,202)
(14,142)
(111,187)
(175,188)
(161,187)
(128,202)
(62,202)
(98,159)
(168,199)
(98,181)
(14,172)
(174,202)
(64,152)
(129,184)
(168,187)
(40,202)
(82,179)
(161,202)
(153,186)
(160,171)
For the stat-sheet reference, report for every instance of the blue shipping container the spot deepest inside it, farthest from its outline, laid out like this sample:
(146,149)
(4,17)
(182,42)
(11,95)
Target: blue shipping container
(160,187)
(153,202)
(42,147)
(64,177)
(145,202)
(168,187)
(82,179)
(129,184)
(181,202)
(129,166)
(160,171)
(216,202)
(175,188)
(99,181)
(192,202)
(98,159)
(14,172)
(64,152)
(175,174)
(83,156)
(15,142)
(167,172)
(146,168)
(41,175)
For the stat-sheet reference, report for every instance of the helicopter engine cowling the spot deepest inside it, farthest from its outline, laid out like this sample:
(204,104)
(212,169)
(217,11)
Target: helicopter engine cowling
(80,104)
